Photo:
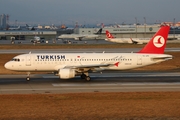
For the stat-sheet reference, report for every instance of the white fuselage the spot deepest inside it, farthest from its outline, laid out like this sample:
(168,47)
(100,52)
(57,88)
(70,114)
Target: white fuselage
(94,61)
(77,36)
(36,38)
(119,40)
(140,40)
(129,40)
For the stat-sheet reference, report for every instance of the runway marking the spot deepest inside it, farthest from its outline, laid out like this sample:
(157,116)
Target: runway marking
(85,88)
(125,75)
(155,84)
(112,84)
(83,84)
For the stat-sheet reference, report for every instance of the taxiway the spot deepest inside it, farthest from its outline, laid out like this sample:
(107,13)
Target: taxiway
(108,82)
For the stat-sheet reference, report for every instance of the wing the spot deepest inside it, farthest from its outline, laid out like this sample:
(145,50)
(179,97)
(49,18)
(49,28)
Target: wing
(79,37)
(134,41)
(93,68)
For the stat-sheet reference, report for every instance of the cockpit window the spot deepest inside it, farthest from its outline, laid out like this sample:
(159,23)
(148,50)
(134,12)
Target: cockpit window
(15,59)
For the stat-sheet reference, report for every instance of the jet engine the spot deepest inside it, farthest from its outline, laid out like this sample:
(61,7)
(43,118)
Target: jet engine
(76,38)
(66,73)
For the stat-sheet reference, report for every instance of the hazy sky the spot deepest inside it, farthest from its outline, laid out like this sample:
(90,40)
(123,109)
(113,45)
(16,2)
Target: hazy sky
(90,11)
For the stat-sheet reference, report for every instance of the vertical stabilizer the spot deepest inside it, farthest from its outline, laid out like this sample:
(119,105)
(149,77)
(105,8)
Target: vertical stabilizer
(157,43)
(99,31)
(109,35)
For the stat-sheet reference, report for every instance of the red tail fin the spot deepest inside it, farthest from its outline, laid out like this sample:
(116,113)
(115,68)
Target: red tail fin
(157,43)
(108,34)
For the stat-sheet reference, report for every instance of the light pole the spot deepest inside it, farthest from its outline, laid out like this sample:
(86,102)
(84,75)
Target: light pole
(136,26)
(174,28)
(145,27)
(15,23)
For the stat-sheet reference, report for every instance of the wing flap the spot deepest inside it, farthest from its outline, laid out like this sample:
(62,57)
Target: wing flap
(89,66)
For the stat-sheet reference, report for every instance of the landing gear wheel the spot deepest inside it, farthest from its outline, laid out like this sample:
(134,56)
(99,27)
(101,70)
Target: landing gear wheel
(28,79)
(87,78)
(28,76)
(83,76)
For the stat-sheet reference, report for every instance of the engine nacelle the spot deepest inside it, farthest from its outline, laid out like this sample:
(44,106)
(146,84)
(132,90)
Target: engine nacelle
(76,38)
(66,73)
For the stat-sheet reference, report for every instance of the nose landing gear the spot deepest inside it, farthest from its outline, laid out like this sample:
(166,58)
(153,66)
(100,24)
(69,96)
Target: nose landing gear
(28,76)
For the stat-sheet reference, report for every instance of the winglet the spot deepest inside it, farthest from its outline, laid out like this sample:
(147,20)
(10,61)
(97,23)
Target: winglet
(157,43)
(109,35)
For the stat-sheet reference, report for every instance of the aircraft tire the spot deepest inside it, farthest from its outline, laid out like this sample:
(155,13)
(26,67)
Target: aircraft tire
(28,78)
(83,76)
(87,78)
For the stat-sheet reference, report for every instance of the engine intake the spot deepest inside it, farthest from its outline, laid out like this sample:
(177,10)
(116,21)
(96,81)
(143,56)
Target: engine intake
(66,73)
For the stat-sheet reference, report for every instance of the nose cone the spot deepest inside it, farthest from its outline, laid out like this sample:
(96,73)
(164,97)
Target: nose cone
(7,66)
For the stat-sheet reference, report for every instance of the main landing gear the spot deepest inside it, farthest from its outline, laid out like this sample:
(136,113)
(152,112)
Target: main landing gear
(85,76)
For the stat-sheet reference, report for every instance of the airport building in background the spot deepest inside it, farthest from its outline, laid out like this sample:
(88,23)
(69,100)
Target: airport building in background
(3,22)
(51,32)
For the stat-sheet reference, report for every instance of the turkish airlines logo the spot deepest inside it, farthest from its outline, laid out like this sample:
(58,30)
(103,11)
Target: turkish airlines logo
(108,35)
(158,41)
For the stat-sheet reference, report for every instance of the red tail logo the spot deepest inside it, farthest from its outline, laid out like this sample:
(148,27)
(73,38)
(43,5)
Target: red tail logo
(158,42)
(108,34)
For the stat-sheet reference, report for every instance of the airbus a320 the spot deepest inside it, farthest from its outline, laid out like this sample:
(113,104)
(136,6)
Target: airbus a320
(69,65)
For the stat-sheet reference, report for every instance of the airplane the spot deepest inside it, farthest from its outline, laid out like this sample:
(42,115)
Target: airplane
(139,40)
(13,28)
(69,65)
(174,36)
(80,36)
(111,38)
(36,39)
(31,28)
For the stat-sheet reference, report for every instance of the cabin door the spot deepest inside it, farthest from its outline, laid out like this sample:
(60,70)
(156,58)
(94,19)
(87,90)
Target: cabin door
(28,60)
(139,60)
